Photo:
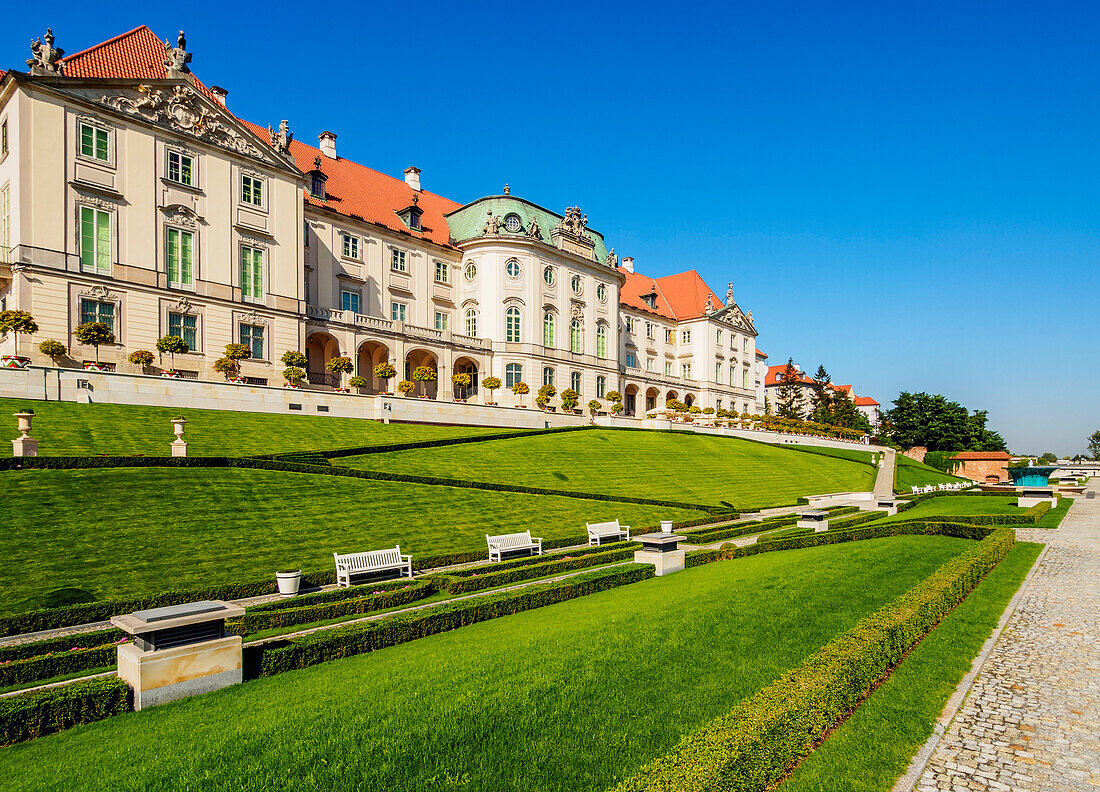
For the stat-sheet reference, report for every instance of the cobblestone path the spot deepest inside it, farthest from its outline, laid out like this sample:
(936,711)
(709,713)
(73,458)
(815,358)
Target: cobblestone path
(1031,721)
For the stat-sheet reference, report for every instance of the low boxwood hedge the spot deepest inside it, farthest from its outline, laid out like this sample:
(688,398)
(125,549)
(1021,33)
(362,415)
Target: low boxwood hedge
(757,742)
(47,666)
(529,560)
(31,715)
(362,599)
(356,639)
(490,578)
(733,530)
(851,521)
(63,643)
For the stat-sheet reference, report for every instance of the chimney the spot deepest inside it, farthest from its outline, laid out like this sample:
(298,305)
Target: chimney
(219,94)
(627,263)
(328,144)
(412,178)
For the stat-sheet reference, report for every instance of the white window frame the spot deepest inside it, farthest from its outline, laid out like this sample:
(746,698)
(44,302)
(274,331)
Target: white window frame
(510,336)
(350,247)
(445,324)
(180,283)
(262,336)
(513,373)
(112,220)
(399,311)
(601,387)
(575,381)
(576,283)
(549,276)
(249,294)
(509,265)
(254,181)
(191,347)
(470,322)
(601,293)
(399,261)
(95,127)
(357,299)
(181,155)
(469,270)
(444,269)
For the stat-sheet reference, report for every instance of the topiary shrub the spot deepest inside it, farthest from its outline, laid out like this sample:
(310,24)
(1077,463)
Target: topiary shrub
(172,345)
(694,410)
(614,396)
(340,366)
(617,407)
(569,399)
(52,349)
(462,381)
(708,411)
(406,387)
(491,384)
(16,322)
(293,375)
(93,334)
(142,357)
(594,406)
(385,372)
(295,359)
(358,382)
(424,374)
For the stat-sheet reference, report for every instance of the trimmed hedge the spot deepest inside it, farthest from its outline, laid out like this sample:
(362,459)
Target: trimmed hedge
(32,715)
(854,520)
(1029,516)
(343,452)
(326,606)
(490,578)
(733,530)
(529,560)
(63,643)
(758,741)
(356,639)
(254,463)
(47,666)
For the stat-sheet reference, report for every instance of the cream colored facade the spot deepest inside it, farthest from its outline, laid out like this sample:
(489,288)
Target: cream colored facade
(103,180)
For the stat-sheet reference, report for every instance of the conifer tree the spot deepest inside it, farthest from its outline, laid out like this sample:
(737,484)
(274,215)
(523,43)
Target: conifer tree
(822,407)
(789,397)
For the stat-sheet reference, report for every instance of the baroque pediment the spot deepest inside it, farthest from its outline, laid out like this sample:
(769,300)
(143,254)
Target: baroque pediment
(182,109)
(732,316)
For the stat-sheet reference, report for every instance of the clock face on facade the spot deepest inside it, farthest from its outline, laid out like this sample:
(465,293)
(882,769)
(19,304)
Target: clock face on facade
(511,222)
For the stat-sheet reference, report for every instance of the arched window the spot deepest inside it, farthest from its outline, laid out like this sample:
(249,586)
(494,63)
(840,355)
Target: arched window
(548,376)
(512,268)
(601,341)
(575,283)
(548,330)
(576,336)
(471,322)
(513,373)
(548,276)
(512,325)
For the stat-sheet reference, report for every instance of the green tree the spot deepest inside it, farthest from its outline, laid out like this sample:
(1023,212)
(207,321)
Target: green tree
(172,345)
(931,420)
(16,322)
(93,334)
(789,395)
(341,366)
(821,408)
(491,384)
(1094,444)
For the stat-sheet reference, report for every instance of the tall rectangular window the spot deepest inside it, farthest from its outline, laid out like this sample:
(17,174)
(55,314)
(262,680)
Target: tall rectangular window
(252,190)
(575,381)
(685,370)
(397,260)
(744,378)
(650,364)
(252,336)
(96,311)
(718,337)
(181,257)
(184,326)
(548,376)
(733,375)
(252,273)
(670,336)
(668,369)
(513,373)
(94,143)
(95,239)
(181,168)
(631,361)
(601,387)
(442,320)
(351,246)
(398,311)
(685,337)
(442,272)
(649,330)
(349,301)
(4,138)
(718,373)
(5,221)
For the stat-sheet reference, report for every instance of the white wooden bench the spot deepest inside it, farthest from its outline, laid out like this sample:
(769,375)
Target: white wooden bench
(597,532)
(350,564)
(514,542)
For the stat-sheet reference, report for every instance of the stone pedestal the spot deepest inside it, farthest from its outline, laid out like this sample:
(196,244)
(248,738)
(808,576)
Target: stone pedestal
(818,520)
(158,677)
(179,448)
(1033,497)
(660,550)
(24,447)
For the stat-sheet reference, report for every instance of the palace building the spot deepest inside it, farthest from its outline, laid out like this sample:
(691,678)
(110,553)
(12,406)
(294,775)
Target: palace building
(131,194)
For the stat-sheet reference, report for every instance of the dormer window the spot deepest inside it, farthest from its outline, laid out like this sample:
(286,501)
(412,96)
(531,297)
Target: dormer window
(414,219)
(317,179)
(410,215)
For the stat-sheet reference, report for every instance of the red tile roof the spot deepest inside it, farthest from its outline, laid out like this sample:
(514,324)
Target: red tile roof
(977,456)
(760,353)
(679,297)
(866,401)
(357,191)
(772,377)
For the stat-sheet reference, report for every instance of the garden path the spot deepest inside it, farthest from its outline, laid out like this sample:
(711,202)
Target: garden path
(1031,719)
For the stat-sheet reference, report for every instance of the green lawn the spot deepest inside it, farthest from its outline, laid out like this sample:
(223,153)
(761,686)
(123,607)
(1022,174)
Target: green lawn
(137,530)
(573,696)
(909,473)
(66,428)
(872,749)
(1054,517)
(958,505)
(854,453)
(683,467)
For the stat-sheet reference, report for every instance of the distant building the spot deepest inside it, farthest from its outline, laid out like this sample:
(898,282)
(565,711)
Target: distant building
(773,380)
(984,467)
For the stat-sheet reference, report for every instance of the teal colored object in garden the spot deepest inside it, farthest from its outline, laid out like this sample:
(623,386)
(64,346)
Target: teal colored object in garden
(1031,476)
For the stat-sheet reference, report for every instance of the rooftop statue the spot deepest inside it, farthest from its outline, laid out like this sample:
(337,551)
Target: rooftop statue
(492,224)
(281,139)
(47,57)
(176,58)
(533,229)
(612,259)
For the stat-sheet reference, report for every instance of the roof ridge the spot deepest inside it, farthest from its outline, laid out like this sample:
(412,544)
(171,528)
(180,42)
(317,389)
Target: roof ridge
(119,37)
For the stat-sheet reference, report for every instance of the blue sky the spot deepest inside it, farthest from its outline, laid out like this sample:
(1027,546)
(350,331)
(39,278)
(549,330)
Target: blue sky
(907,193)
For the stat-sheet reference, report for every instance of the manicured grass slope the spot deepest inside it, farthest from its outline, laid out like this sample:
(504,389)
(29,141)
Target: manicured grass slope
(872,749)
(65,428)
(132,531)
(573,696)
(909,473)
(684,467)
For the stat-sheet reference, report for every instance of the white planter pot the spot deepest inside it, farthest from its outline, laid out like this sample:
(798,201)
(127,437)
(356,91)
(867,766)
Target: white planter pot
(288,583)
(24,422)
(666,526)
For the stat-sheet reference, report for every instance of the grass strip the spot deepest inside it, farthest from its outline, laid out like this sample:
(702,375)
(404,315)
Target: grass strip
(490,578)
(757,742)
(871,750)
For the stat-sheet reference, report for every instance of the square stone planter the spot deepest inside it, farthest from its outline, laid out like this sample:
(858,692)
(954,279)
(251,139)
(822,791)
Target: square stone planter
(14,362)
(171,374)
(96,367)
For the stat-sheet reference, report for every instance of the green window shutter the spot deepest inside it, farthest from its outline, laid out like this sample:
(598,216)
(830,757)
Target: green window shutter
(257,274)
(87,237)
(101,145)
(187,275)
(173,255)
(103,240)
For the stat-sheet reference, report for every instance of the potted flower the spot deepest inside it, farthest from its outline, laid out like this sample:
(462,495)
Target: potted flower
(293,376)
(358,383)
(520,389)
(462,382)
(423,374)
(93,334)
(52,349)
(230,365)
(16,322)
(491,384)
(614,396)
(569,400)
(385,372)
(546,393)
(406,387)
(340,366)
(594,406)
(617,408)
(172,345)
(288,582)
(142,358)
